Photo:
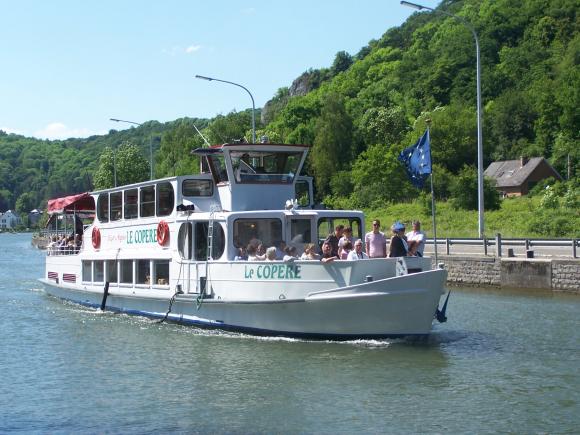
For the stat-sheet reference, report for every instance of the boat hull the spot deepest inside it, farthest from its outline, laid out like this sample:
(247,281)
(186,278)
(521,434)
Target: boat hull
(391,307)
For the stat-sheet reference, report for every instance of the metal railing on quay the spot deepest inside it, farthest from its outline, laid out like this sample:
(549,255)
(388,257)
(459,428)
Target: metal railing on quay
(498,243)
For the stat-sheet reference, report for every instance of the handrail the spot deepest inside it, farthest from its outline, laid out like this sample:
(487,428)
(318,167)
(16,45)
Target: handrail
(498,242)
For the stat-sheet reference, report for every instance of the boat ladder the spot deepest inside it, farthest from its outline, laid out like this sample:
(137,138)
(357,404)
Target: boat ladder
(209,253)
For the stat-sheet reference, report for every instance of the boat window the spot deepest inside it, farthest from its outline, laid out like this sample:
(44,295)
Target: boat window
(87,271)
(130,211)
(103,207)
(303,193)
(300,231)
(217,166)
(147,201)
(127,271)
(184,239)
(218,241)
(99,271)
(161,269)
(326,226)
(197,188)
(278,167)
(112,271)
(267,231)
(165,199)
(143,272)
(116,205)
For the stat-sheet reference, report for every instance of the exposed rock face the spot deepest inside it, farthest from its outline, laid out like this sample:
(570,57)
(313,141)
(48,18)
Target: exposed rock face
(301,85)
(306,82)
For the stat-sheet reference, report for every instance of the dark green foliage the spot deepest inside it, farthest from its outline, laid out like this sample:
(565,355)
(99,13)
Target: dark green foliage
(463,190)
(126,162)
(361,111)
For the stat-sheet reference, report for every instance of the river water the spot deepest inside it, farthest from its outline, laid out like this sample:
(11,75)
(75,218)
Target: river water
(504,362)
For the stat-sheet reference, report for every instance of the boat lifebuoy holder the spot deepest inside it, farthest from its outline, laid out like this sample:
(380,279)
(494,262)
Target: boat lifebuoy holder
(162,233)
(96,238)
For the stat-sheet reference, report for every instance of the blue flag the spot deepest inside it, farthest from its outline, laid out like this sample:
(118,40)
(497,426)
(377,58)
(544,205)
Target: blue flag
(417,160)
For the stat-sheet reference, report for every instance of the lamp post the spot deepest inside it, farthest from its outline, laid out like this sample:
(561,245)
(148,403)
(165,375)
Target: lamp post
(209,79)
(479,112)
(150,147)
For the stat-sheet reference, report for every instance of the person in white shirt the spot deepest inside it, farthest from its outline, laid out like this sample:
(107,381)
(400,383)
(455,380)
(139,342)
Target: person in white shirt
(357,253)
(416,240)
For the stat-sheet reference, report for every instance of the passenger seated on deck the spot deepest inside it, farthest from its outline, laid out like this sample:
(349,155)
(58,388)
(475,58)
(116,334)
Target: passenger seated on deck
(290,253)
(346,249)
(280,249)
(242,256)
(252,253)
(327,255)
(78,241)
(357,253)
(310,253)
(271,254)
(334,238)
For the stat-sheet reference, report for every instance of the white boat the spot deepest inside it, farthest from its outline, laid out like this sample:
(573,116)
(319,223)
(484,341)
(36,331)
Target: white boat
(167,249)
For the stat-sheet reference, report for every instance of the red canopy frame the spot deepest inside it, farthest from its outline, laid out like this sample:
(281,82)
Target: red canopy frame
(73,203)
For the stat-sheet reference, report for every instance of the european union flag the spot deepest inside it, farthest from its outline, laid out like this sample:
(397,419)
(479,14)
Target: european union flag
(417,160)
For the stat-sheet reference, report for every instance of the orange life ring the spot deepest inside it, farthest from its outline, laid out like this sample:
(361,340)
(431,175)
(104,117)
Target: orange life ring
(96,238)
(162,233)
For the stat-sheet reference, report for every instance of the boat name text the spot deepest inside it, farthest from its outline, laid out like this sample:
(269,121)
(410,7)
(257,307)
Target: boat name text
(142,236)
(273,271)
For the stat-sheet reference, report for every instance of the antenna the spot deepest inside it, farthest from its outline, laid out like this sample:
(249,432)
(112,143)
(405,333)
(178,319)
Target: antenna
(202,136)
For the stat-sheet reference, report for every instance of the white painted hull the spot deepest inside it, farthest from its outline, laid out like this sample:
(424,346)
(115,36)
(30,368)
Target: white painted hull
(389,307)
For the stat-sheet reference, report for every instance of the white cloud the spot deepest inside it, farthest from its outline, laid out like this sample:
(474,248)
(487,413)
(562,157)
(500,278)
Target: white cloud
(58,130)
(192,48)
(178,49)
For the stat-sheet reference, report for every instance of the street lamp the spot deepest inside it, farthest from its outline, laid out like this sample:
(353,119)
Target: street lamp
(209,79)
(479,113)
(150,147)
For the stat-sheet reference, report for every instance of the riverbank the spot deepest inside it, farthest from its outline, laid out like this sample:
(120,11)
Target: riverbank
(558,275)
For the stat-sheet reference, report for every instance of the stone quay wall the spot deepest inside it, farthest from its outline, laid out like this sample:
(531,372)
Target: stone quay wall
(558,275)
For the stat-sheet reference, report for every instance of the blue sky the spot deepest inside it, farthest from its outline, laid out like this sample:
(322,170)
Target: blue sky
(68,66)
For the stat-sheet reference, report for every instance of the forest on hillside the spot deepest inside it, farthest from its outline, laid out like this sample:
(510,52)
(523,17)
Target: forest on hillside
(361,111)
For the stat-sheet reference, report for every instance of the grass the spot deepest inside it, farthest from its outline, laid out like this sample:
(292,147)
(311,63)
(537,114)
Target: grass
(517,218)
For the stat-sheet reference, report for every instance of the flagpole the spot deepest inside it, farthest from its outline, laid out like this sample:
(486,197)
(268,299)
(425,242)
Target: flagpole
(433,209)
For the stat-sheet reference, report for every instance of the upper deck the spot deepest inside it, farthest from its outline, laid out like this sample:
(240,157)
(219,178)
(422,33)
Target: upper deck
(254,176)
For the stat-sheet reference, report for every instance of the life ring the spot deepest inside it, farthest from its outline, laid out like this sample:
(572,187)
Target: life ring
(162,233)
(96,238)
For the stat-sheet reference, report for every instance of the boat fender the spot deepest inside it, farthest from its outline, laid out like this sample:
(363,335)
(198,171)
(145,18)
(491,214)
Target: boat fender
(162,233)
(96,238)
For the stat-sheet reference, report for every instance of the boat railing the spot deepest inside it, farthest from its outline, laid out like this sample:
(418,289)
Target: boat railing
(504,246)
(66,250)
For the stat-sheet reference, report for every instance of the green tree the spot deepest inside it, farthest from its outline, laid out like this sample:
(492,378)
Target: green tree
(378,178)
(331,151)
(26,203)
(104,178)
(175,154)
(342,62)
(127,161)
(464,190)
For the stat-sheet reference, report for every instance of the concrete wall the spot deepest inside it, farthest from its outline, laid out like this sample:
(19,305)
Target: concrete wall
(555,274)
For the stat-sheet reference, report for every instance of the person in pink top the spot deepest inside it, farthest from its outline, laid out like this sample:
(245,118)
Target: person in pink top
(376,242)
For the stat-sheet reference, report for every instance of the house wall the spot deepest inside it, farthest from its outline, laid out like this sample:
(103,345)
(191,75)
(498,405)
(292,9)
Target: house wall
(542,171)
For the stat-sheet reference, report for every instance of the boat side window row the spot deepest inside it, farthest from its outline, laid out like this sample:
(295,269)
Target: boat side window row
(140,273)
(194,244)
(147,201)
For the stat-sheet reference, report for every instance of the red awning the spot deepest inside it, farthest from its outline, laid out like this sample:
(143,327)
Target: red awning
(80,202)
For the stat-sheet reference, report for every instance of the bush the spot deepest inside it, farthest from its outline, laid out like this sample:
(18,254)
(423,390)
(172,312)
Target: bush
(464,191)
